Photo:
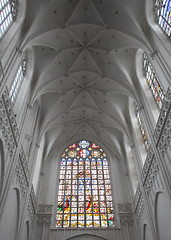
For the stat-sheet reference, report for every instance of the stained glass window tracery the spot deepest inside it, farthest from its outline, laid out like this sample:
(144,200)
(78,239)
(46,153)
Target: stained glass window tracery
(153,82)
(140,123)
(84,196)
(163,15)
(8,10)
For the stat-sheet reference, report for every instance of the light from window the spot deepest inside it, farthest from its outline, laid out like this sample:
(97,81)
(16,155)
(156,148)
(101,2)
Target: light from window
(84,196)
(163,15)
(153,82)
(8,11)
(142,129)
(18,81)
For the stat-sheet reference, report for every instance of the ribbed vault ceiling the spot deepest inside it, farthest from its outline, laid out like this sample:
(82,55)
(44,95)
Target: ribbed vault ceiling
(85,68)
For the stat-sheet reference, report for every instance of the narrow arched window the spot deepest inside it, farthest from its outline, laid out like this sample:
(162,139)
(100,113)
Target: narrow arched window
(13,93)
(84,196)
(153,82)
(141,126)
(8,10)
(163,15)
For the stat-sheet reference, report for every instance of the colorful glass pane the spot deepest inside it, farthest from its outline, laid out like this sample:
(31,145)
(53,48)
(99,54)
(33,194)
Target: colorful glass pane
(153,82)
(84,196)
(163,15)
(142,129)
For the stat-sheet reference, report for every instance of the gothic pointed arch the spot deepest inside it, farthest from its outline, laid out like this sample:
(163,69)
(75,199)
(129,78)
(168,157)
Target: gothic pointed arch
(84,196)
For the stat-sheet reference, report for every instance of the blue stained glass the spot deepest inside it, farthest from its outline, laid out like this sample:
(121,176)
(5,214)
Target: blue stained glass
(153,82)
(163,15)
(84,144)
(84,189)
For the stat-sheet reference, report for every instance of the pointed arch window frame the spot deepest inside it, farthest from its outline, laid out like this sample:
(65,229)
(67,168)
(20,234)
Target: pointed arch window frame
(17,83)
(162,9)
(153,81)
(8,14)
(83,219)
(141,127)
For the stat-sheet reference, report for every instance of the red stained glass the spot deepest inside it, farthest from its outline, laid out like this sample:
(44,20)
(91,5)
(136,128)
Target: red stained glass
(84,188)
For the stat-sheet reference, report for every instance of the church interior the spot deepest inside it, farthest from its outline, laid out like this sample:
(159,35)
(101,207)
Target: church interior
(85,119)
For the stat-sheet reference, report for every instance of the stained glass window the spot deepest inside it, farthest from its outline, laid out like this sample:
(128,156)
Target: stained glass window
(18,81)
(84,196)
(140,123)
(153,82)
(163,15)
(8,9)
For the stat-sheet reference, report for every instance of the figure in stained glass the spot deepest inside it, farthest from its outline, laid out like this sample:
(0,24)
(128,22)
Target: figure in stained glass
(84,196)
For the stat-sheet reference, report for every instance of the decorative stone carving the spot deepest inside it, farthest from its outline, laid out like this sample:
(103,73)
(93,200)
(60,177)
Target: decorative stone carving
(122,208)
(44,220)
(31,211)
(46,209)
(6,128)
(10,114)
(138,203)
(28,137)
(125,213)
(165,137)
(137,196)
(164,114)
(31,208)
(140,208)
(33,197)
(147,164)
(44,215)
(154,168)
(21,178)
(22,173)
(126,219)
(24,164)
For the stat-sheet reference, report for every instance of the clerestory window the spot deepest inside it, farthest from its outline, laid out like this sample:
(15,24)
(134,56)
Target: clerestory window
(153,82)
(163,15)
(17,81)
(8,11)
(84,196)
(141,126)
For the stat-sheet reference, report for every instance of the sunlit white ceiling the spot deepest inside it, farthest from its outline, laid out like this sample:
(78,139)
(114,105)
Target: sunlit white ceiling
(85,67)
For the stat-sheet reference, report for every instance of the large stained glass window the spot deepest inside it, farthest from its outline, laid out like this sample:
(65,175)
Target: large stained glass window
(8,9)
(163,15)
(140,123)
(153,82)
(84,196)
(17,81)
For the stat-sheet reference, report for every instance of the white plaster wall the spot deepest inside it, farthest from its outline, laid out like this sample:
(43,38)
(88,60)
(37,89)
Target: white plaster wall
(163,216)
(10,216)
